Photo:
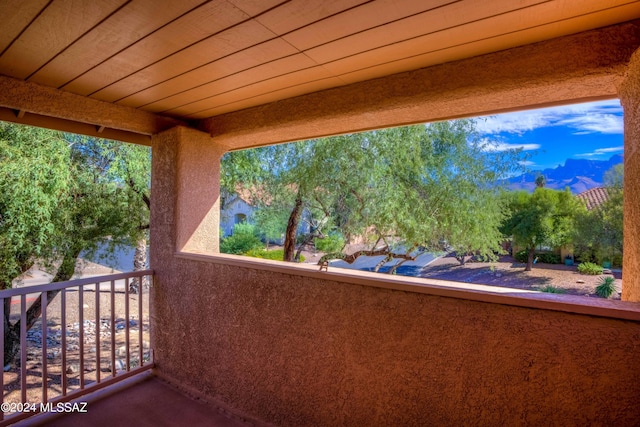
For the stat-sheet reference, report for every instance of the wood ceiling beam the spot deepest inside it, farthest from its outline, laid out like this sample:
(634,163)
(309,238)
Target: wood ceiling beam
(30,119)
(48,107)
(581,67)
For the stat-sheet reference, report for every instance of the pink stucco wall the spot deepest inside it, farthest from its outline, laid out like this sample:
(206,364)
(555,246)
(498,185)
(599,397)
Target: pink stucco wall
(629,92)
(299,351)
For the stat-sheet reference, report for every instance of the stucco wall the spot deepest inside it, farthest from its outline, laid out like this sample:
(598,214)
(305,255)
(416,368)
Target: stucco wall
(630,99)
(296,351)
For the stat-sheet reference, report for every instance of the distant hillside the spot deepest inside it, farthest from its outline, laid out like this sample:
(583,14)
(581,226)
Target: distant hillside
(577,174)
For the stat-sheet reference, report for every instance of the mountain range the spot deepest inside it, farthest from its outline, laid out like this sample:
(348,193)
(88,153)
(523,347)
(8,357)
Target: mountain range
(577,174)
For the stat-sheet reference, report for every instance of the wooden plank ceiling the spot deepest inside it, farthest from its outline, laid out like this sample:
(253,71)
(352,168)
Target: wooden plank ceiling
(194,59)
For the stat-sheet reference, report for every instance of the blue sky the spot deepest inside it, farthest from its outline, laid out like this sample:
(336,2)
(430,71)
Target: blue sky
(551,135)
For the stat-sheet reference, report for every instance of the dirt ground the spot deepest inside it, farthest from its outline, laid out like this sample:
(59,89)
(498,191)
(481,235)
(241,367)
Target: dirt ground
(508,273)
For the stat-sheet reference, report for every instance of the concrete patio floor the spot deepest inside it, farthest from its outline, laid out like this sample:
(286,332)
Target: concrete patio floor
(142,401)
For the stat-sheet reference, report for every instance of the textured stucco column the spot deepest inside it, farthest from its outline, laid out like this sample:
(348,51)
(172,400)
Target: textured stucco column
(630,98)
(186,191)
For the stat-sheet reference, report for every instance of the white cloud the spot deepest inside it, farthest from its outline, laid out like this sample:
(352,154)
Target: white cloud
(601,151)
(502,146)
(526,163)
(593,117)
(610,149)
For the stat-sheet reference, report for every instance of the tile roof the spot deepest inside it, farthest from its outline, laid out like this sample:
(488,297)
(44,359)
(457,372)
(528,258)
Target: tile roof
(594,197)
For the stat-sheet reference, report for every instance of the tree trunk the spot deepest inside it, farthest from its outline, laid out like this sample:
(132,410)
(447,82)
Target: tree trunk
(139,264)
(396,266)
(12,332)
(292,228)
(11,338)
(462,259)
(382,262)
(530,256)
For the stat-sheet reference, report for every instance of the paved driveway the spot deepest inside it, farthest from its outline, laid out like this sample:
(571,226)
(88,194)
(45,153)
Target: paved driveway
(368,263)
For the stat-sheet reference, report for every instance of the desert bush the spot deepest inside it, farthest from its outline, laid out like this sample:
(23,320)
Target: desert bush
(521,256)
(552,289)
(606,288)
(276,254)
(334,242)
(243,239)
(545,257)
(590,268)
(549,258)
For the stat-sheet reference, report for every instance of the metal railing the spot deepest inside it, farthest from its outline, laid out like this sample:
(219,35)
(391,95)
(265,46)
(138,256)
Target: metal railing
(79,337)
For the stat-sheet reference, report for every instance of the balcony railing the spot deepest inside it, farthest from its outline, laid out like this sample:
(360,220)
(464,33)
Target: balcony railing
(94,332)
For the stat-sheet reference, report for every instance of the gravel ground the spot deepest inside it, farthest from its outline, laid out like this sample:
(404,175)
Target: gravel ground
(508,273)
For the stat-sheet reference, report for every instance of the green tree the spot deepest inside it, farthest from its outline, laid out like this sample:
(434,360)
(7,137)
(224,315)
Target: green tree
(35,175)
(599,233)
(402,190)
(129,167)
(544,217)
(60,197)
(612,210)
(442,185)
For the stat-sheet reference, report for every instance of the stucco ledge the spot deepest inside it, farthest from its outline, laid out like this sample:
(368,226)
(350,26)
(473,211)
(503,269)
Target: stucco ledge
(443,288)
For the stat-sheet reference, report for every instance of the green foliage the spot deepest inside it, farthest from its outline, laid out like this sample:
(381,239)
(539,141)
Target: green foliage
(544,257)
(243,239)
(606,288)
(549,258)
(334,242)
(544,217)
(521,256)
(553,289)
(35,180)
(426,186)
(589,268)
(61,195)
(276,254)
(270,223)
(598,236)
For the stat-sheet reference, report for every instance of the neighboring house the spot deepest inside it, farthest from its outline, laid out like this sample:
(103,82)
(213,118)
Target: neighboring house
(238,208)
(594,197)
(235,211)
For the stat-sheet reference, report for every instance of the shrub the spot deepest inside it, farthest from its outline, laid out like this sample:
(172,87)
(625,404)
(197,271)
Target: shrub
(521,256)
(607,287)
(553,290)
(545,257)
(243,239)
(276,254)
(590,268)
(549,258)
(334,242)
